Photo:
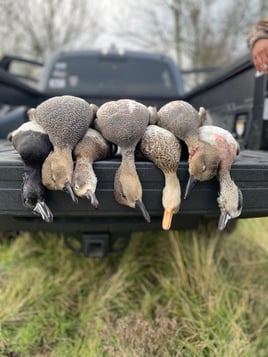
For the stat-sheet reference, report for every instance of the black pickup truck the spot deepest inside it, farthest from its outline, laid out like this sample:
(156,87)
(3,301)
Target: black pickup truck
(234,99)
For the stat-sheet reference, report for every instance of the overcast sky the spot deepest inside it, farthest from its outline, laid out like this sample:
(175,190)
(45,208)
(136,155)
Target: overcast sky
(118,10)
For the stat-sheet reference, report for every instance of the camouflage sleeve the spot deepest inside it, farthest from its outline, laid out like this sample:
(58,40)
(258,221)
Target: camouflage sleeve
(257,32)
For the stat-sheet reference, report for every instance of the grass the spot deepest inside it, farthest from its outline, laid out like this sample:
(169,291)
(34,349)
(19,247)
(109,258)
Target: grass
(179,294)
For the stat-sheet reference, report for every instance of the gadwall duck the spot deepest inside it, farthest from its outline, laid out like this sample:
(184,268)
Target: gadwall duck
(91,148)
(164,150)
(65,119)
(220,151)
(123,122)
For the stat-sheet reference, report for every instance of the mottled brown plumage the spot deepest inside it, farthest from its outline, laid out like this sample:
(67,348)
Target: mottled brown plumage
(163,149)
(57,171)
(212,151)
(90,148)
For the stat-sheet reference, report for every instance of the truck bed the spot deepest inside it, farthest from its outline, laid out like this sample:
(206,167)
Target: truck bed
(249,171)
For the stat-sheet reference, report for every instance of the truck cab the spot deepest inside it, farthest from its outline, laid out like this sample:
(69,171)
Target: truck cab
(97,76)
(100,76)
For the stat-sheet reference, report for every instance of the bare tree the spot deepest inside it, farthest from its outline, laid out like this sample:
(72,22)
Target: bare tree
(196,34)
(263,8)
(139,25)
(37,28)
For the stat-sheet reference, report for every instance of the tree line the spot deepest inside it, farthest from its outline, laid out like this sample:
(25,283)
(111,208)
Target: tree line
(196,34)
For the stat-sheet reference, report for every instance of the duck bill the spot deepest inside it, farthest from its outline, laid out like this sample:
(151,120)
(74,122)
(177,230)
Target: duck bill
(42,210)
(167,219)
(190,185)
(92,198)
(68,188)
(139,204)
(223,220)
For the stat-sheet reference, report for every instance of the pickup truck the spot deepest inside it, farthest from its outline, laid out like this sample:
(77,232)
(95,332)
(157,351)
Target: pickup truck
(154,80)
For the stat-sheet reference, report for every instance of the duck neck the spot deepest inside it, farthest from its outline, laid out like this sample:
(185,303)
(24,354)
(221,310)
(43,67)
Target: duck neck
(223,177)
(84,165)
(128,160)
(35,174)
(65,151)
(171,196)
(194,144)
(191,139)
(171,180)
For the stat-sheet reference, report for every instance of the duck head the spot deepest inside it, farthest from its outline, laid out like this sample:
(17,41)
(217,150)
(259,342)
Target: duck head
(203,166)
(230,202)
(84,184)
(57,173)
(33,195)
(128,192)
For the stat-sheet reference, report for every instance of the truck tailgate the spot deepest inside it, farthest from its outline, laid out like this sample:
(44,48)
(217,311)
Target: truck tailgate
(249,171)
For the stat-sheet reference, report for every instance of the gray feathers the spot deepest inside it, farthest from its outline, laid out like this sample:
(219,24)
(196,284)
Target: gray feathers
(122,122)
(180,118)
(64,118)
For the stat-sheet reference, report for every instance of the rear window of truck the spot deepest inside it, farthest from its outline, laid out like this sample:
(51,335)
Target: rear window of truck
(111,75)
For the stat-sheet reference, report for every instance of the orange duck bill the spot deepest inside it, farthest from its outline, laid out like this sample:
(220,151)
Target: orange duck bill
(167,218)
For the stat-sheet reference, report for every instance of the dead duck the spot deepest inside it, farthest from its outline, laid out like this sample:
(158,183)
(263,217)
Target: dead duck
(164,150)
(123,122)
(183,120)
(221,149)
(230,199)
(65,119)
(33,145)
(90,148)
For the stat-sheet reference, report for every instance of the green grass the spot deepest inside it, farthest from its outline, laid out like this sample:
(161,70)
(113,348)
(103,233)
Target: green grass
(179,294)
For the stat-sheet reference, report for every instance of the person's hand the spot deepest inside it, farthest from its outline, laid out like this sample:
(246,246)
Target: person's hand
(260,55)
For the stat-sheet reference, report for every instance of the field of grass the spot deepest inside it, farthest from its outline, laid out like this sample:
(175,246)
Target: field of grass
(179,294)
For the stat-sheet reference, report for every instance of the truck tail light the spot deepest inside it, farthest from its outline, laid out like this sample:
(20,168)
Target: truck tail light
(240,125)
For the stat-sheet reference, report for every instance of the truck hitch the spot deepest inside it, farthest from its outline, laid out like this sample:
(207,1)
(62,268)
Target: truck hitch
(95,245)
